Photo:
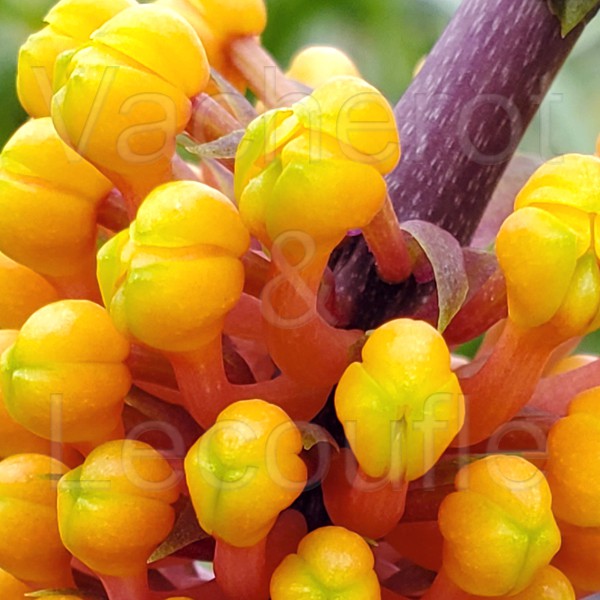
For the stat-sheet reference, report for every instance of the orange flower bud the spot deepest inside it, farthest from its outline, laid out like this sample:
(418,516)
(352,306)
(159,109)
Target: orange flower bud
(331,562)
(172,277)
(70,24)
(549,583)
(126,94)
(48,201)
(30,547)
(23,292)
(358,117)
(116,509)
(498,527)
(14,438)
(550,243)
(570,363)
(316,167)
(244,471)
(316,65)
(218,23)
(11,588)
(579,556)
(573,467)
(402,406)
(64,377)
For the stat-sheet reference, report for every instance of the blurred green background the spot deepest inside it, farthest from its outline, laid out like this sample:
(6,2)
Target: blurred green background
(385,38)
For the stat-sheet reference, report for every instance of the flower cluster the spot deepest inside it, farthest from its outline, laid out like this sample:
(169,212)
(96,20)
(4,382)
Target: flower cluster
(180,386)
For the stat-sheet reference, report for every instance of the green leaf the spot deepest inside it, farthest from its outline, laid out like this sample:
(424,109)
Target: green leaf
(313,434)
(445,257)
(224,147)
(243,111)
(186,531)
(152,409)
(64,592)
(572,12)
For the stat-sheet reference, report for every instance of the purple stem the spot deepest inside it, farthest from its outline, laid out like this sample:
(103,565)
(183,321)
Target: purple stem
(460,122)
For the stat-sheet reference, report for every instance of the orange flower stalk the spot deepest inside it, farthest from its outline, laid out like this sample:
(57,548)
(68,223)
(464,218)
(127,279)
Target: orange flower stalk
(69,25)
(400,408)
(46,374)
(418,541)
(331,562)
(241,474)
(123,97)
(564,380)
(30,547)
(304,177)
(549,243)
(114,511)
(170,280)
(499,531)
(49,198)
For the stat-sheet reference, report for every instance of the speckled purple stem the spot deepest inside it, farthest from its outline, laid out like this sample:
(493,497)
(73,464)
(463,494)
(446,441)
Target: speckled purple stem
(460,122)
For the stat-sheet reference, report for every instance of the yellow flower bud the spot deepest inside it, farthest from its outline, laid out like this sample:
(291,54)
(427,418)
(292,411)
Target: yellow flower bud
(220,22)
(30,547)
(14,438)
(70,24)
(579,556)
(48,201)
(402,405)
(570,363)
(11,588)
(549,243)
(229,19)
(331,562)
(51,595)
(244,471)
(23,292)
(550,584)
(316,65)
(316,167)
(64,377)
(126,94)
(358,116)
(573,467)
(115,509)
(172,277)
(498,527)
